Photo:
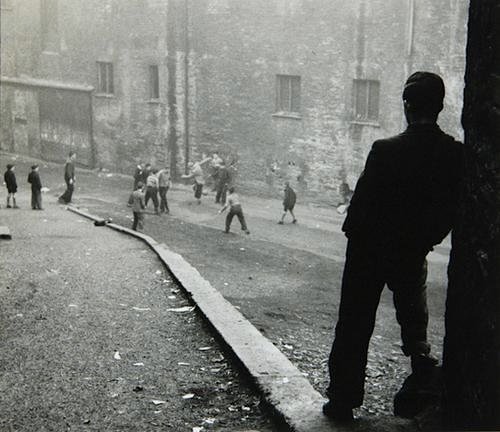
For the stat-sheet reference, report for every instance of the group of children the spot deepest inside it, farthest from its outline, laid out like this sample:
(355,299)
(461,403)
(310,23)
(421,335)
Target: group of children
(11,185)
(154,182)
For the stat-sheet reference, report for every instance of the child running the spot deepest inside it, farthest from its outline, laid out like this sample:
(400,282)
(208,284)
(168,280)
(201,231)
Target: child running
(233,202)
(288,203)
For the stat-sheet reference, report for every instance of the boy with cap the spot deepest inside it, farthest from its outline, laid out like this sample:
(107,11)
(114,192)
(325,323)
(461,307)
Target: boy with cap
(11,184)
(404,203)
(36,188)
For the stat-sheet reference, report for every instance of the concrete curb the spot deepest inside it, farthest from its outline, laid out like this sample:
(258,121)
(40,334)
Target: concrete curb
(281,384)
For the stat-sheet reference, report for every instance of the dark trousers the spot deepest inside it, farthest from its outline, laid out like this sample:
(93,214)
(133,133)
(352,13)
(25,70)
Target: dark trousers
(36,199)
(138,221)
(163,199)
(220,196)
(367,270)
(238,212)
(68,193)
(152,193)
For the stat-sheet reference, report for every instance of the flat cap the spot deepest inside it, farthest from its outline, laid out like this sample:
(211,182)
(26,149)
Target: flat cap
(425,91)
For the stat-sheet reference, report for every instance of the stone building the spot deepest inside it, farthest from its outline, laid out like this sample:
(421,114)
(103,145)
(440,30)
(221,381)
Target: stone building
(286,89)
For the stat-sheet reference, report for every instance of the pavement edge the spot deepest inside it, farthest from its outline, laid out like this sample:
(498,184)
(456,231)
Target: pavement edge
(283,387)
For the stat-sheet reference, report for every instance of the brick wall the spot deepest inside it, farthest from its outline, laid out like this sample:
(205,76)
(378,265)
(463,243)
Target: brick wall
(235,51)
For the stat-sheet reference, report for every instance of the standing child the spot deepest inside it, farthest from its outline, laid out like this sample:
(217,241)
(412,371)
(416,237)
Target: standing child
(164,184)
(36,188)
(233,202)
(137,203)
(288,203)
(152,189)
(11,183)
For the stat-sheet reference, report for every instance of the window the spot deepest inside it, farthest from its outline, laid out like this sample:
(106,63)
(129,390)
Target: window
(366,100)
(105,83)
(288,94)
(48,24)
(154,82)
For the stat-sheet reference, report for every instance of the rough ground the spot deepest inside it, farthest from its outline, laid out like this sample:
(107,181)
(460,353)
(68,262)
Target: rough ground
(285,279)
(87,341)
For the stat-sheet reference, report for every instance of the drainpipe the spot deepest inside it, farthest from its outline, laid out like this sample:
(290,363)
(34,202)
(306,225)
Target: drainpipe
(186,84)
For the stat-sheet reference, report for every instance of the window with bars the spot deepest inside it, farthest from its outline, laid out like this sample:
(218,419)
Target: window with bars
(154,82)
(366,100)
(105,81)
(288,94)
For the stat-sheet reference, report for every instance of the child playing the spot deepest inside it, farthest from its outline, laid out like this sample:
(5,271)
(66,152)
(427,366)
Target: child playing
(233,202)
(152,189)
(36,188)
(288,203)
(11,184)
(137,203)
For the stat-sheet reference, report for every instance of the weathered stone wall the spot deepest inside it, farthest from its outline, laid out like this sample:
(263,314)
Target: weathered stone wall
(472,343)
(223,97)
(240,47)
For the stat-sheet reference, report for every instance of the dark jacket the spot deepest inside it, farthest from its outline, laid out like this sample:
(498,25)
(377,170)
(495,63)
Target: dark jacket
(10,181)
(290,198)
(69,171)
(408,193)
(34,179)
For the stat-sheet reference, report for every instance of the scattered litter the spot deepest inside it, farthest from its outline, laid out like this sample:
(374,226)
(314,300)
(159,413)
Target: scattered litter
(288,347)
(114,395)
(188,396)
(215,370)
(139,364)
(242,249)
(138,389)
(174,291)
(172,297)
(72,305)
(205,348)
(209,421)
(226,284)
(45,189)
(232,408)
(158,402)
(122,304)
(218,359)
(109,175)
(117,356)
(182,309)
(141,309)
(158,272)
(19,315)
(197,429)
(121,411)
(157,412)
(245,408)
(286,380)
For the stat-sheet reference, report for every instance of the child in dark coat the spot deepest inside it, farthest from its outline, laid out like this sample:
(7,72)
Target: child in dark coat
(288,203)
(36,188)
(11,184)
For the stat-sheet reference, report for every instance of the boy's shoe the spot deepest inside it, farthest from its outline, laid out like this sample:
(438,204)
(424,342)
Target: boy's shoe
(423,364)
(294,221)
(248,232)
(16,207)
(280,222)
(338,413)
(9,206)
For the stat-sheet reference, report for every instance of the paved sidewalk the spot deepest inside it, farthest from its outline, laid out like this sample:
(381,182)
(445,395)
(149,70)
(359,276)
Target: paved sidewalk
(88,340)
